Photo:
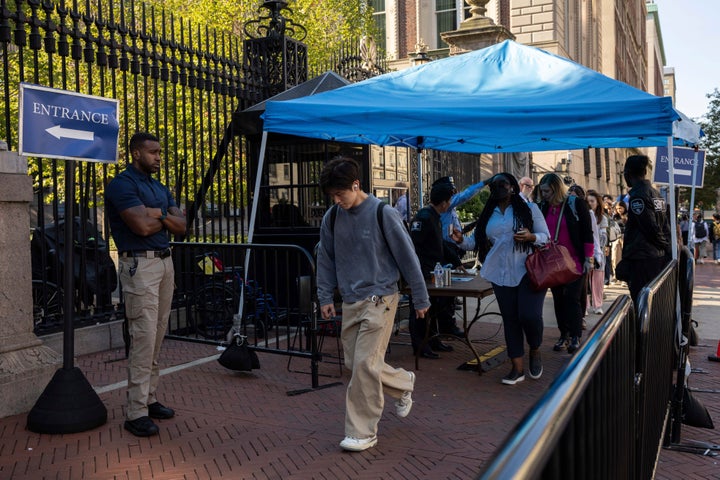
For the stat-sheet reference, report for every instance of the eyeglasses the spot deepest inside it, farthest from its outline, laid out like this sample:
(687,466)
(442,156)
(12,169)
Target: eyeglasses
(528,185)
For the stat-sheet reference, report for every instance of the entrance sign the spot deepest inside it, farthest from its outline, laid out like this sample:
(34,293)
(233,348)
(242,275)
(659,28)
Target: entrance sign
(683,164)
(68,125)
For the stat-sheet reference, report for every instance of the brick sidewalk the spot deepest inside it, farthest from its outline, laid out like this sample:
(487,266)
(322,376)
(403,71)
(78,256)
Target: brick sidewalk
(244,425)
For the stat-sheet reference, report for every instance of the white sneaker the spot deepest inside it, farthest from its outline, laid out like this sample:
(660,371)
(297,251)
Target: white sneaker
(358,444)
(598,311)
(404,403)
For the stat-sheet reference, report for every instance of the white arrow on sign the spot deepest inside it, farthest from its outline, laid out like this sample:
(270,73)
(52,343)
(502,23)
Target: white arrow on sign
(59,132)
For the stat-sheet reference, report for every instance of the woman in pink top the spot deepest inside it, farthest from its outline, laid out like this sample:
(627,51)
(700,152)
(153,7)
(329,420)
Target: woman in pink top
(577,236)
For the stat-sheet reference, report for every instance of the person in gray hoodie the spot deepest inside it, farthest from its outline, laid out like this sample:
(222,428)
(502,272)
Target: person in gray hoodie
(362,254)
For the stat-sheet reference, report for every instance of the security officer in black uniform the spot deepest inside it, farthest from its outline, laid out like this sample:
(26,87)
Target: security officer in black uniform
(646,250)
(427,236)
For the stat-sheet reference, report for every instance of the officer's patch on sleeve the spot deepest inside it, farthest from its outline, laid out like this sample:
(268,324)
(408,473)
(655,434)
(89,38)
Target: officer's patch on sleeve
(416,226)
(659,204)
(637,206)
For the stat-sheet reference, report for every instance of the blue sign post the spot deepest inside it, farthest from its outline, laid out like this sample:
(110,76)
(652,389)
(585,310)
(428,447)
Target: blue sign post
(683,165)
(68,125)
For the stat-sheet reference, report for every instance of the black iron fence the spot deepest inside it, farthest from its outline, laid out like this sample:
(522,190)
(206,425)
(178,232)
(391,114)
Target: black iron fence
(604,415)
(180,81)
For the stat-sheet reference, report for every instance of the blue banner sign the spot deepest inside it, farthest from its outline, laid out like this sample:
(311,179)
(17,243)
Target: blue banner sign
(68,125)
(683,165)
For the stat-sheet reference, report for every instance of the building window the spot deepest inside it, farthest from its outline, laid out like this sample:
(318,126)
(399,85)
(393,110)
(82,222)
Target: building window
(378,7)
(586,161)
(447,18)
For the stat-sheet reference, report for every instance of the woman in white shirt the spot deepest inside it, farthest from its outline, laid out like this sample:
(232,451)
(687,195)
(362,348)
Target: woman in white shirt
(597,274)
(507,229)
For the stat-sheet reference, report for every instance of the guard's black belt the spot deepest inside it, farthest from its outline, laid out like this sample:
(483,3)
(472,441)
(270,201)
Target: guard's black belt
(147,253)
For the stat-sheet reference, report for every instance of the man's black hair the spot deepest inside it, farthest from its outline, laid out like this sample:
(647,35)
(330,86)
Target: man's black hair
(139,138)
(441,192)
(339,174)
(637,165)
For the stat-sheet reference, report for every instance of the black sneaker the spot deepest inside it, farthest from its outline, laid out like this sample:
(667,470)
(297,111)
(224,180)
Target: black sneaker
(141,427)
(560,344)
(573,345)
(536,367)
(158,410)
(513,377)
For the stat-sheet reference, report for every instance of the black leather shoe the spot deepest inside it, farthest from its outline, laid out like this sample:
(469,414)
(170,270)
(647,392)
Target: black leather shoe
(158,410)
(439,346)
(141,427)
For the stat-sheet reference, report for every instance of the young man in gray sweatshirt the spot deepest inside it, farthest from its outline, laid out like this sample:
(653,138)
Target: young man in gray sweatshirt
(363,260)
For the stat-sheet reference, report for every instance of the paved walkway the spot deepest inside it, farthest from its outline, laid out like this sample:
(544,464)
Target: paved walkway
(245,426)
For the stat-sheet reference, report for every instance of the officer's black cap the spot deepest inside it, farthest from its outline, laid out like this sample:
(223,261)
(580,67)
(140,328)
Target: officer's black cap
(445,180)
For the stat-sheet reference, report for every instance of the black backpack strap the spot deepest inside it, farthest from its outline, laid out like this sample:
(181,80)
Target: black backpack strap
(380,208)
(333,217)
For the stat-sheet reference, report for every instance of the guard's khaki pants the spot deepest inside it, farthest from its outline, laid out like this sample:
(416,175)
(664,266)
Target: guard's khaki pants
(148,299)
(366,329)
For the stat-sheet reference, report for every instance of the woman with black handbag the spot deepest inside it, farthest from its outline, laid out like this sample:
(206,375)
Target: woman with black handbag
(506,230)
(575,233)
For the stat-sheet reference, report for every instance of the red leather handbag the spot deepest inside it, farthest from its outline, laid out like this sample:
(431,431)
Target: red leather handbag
(551,265)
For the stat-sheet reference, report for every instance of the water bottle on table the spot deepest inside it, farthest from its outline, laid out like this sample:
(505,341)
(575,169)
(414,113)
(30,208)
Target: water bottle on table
(439,275)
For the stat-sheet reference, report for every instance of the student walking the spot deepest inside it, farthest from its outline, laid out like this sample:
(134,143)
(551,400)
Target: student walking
(363,260)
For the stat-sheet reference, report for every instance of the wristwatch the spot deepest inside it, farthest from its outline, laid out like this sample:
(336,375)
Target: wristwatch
(163,211)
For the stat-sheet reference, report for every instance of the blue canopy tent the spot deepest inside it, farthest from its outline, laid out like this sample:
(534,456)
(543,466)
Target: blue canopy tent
(505,98)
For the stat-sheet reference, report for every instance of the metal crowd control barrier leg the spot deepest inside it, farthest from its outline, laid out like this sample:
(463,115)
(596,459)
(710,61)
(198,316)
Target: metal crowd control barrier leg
(309,310)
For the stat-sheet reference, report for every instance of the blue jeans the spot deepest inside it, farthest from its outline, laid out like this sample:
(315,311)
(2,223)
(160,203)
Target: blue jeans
(716,250)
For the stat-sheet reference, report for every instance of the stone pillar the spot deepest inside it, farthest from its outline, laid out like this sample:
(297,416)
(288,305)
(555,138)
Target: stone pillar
(476,32)
(26,365)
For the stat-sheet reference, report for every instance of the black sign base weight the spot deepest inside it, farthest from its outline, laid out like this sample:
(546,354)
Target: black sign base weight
(67,405)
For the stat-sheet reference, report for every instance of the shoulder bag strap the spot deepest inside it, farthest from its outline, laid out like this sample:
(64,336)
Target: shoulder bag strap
(557,228)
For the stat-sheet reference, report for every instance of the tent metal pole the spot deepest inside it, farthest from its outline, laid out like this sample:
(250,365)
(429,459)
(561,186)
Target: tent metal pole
(237,318)
(256,190)
(420,178)
(671,195)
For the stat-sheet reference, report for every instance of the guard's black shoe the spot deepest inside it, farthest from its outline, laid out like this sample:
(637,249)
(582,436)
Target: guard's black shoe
(573,345)
(158,410)
(439,346)
(141,427)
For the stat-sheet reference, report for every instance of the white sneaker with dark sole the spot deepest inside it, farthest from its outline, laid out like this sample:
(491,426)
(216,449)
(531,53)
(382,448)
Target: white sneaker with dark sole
(353,444)
(404,403)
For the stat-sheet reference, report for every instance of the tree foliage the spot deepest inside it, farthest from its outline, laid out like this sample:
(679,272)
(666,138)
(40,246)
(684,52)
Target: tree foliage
(707,197)
(329,23)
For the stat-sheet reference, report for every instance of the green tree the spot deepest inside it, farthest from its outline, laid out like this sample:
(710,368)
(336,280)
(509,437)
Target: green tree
(711,144)
(329,23)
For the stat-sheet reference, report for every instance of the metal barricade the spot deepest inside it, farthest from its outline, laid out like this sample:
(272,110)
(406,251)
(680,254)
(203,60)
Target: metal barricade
(274,285)
(604,415)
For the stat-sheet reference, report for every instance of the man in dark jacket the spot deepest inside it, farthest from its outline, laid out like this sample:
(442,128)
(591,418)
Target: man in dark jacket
(427,236)
(646,246)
